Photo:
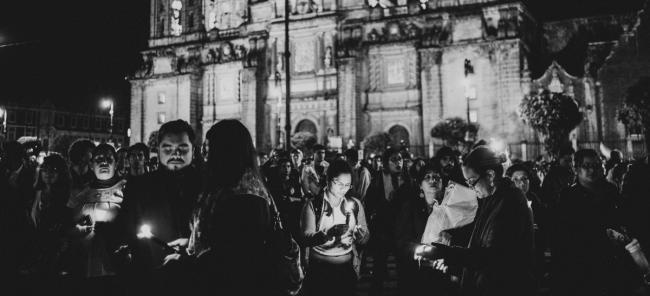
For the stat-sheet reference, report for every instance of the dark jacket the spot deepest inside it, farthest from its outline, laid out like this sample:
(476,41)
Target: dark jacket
(584,259)
(409,228)
(381,211)
(499,257)
(557,179)
(164,200)
(636,204)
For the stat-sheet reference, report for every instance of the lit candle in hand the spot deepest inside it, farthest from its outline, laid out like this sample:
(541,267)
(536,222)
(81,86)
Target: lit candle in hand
(145,233)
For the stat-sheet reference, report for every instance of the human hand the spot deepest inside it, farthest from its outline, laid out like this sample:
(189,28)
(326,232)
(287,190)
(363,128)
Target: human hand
(347,239)
(440,265)
(179,244)
(359,233)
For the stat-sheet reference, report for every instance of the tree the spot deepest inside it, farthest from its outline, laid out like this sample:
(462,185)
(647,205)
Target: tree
(554,115)
(377,142)
(453,131)
(303,141)
(635,112)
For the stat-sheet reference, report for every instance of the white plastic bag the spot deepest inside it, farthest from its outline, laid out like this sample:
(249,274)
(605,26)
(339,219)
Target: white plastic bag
(458,208)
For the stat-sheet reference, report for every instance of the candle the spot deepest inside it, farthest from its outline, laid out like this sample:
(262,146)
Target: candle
(349,206)
(145,232)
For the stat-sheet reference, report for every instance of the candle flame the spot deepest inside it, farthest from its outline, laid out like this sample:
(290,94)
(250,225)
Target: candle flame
(145,231)
(349,206)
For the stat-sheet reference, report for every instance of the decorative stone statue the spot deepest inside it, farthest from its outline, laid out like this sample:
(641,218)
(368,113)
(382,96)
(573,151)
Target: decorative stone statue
(328,57)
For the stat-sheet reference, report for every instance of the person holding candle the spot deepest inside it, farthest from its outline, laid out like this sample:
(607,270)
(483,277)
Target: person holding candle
(95,208)
(409,229)
(499,257)
(232,225)
(333,225)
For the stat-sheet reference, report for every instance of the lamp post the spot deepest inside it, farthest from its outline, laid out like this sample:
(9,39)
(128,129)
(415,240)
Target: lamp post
(275,91)
(287,71)
(469,72)
(108,104)
(3,114)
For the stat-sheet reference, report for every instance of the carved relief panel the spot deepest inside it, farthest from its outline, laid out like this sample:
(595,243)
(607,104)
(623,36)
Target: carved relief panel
(225,14)
(304,55)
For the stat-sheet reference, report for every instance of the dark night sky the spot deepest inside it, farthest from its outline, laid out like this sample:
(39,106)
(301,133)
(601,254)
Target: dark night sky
(78,51)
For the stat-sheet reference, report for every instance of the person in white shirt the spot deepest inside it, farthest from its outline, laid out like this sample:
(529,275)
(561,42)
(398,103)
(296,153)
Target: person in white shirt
(333,225)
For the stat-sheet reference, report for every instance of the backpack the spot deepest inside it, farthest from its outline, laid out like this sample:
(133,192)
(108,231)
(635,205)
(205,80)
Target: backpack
(319,205)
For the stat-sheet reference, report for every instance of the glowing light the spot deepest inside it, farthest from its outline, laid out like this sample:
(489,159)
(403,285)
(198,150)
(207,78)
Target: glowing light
(106,103)
(145,231)
(497,145)
(349,206)
(421,250)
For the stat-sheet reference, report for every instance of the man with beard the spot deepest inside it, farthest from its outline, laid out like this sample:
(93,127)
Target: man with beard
(163,199)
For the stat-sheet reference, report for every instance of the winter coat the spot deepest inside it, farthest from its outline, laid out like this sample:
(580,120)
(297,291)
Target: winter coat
(499,257)
(164,200)
(584,259)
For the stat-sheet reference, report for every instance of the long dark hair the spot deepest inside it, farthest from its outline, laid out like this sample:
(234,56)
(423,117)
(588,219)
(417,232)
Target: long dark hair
(231,154)
(61,188)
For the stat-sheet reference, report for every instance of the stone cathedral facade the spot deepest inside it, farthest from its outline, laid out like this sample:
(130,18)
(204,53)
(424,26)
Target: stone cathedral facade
(357,67)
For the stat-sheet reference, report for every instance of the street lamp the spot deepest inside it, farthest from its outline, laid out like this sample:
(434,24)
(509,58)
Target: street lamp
(469,94)
(287,74)
(275,91)
(3,114)
(108,104)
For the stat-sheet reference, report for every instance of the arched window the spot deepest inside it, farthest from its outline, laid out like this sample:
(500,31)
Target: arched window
(306,125)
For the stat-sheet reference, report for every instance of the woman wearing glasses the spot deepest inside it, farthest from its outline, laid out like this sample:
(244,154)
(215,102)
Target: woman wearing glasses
(499,257)
(388,190)
(333,225)
(409,229)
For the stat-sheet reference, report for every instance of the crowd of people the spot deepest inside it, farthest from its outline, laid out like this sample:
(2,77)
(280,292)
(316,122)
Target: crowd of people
(235,221)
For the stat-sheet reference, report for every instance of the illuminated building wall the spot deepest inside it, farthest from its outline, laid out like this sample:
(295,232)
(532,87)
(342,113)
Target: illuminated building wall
(357,68)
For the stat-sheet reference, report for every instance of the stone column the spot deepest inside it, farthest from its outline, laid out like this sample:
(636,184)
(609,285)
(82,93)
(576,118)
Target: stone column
(431,89)
(348,97)
(248,96)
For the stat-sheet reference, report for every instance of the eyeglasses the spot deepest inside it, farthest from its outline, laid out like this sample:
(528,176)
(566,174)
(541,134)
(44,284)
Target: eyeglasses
(521,179)
(395,159)
(337,183)
(594,166)
(472,181)
(432,177)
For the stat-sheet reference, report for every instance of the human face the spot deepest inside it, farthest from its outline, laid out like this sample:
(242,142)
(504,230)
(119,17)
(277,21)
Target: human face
(521,180)
(446,161)
(480,184)
(377,164)
(340,185)
(49,174)
(431,186)
(395,163)
(285,168)
(103,165)
(296,157)
(137,159)
(590,171)
(175,151)
(319,155)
